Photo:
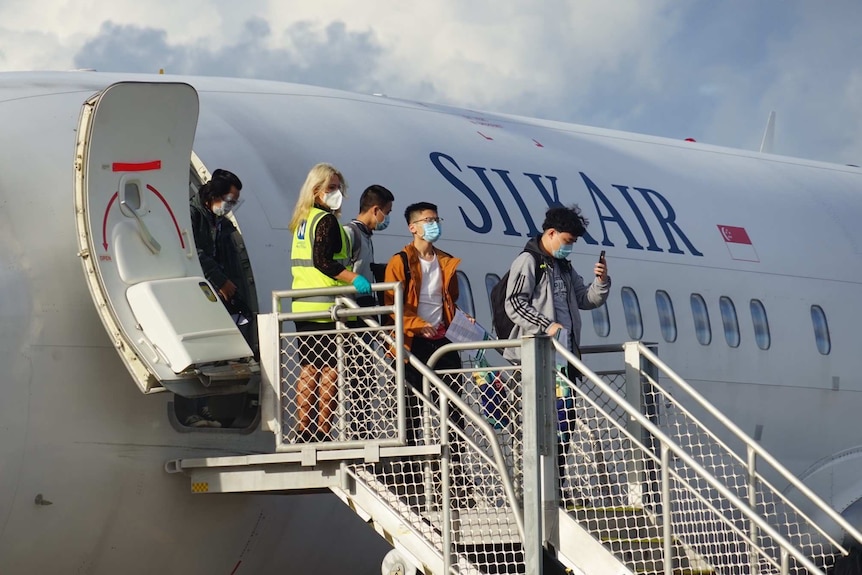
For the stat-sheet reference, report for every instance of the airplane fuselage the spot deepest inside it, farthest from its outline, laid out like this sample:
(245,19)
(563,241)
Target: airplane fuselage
(674,217)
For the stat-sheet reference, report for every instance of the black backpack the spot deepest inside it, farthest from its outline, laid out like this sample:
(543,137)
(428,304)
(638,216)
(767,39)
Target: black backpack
(500,320)
(849,565)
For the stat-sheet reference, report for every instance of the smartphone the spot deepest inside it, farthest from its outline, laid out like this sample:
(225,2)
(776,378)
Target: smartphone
(601,259)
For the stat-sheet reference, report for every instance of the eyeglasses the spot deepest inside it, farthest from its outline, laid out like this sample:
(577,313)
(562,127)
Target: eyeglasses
(428,220)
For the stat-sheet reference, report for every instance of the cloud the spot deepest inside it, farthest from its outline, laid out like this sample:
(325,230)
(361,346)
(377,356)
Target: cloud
(329,56)
(708,70)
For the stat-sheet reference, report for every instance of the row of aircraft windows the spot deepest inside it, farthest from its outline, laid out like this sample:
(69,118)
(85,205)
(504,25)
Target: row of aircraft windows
(667,317)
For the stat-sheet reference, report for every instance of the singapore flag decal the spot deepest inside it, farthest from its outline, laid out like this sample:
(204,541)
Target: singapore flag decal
(738,243)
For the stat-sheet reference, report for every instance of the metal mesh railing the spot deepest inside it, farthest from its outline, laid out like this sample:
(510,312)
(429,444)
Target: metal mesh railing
(457,501)
(638,468)
(450,481)
(739,542)
(647,508)
(670,487)
(338,385)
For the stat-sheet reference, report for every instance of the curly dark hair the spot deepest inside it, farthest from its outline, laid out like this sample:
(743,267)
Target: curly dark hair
(566,219)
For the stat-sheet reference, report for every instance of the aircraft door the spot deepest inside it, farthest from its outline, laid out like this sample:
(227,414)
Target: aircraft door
(132,180)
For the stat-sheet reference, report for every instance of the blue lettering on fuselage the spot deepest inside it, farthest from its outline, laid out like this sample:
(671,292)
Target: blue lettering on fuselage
(478,217)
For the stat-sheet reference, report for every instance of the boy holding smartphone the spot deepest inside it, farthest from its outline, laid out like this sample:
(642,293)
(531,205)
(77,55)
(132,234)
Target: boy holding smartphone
(550,301)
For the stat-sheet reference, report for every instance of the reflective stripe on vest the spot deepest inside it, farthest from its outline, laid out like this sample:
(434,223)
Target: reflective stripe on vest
(305,275)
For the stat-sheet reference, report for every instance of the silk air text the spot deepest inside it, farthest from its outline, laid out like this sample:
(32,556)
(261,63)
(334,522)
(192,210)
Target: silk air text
(642,218)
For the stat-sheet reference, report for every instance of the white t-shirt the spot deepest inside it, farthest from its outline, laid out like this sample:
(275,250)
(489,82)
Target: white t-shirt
(431,292)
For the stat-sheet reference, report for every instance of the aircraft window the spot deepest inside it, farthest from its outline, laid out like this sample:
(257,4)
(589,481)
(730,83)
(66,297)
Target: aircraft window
(601,321)
(821,330)
(491,280)
(632,311)
(666,317)
(465,294)
(761,324)
(729,320)
(132,195)
(702,329)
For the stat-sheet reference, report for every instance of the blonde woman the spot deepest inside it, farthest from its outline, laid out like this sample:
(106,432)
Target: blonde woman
(319,254)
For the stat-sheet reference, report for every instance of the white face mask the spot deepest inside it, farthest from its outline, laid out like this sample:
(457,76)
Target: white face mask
(221,209)
(333,199)
(224,207)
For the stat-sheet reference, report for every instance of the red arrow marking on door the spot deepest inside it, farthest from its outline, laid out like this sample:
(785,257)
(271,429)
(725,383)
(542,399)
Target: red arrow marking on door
(171,212)
(105,221)
(111,203)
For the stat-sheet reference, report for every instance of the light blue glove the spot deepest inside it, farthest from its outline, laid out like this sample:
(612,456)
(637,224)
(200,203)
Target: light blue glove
(362,285)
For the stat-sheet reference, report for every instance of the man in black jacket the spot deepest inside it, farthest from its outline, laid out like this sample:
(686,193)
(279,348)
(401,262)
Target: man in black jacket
(214,232)
(217,241)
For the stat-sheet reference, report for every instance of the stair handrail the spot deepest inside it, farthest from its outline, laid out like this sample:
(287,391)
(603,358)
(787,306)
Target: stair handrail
(748,464)
(429,376)
(345,306)
(669,445)
(660,459)
(759,450)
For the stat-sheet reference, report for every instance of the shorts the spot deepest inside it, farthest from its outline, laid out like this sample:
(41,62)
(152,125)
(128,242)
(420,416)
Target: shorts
(317,350)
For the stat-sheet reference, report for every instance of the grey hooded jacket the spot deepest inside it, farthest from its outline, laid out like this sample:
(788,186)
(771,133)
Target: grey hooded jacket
(531,306)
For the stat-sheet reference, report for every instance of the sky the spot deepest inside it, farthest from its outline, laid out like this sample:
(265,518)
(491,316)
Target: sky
(708,70)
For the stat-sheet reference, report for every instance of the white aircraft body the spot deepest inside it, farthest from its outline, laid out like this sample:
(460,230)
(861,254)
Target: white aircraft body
(86,423)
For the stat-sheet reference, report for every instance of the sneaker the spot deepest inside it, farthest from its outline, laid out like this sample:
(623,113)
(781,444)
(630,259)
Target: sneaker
(208,418)
(196,421)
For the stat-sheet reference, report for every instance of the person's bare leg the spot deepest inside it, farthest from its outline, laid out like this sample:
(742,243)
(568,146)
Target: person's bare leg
(306,386)
(328,379)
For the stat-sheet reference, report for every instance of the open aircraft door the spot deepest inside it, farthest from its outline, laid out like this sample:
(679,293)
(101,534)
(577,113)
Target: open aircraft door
(131,198)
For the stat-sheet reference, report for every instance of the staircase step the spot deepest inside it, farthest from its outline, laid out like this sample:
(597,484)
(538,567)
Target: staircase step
(481,527)
(631,535)
(617,523)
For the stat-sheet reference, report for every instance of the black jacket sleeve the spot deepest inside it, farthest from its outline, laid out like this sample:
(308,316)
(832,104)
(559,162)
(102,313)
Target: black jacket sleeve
(205,242)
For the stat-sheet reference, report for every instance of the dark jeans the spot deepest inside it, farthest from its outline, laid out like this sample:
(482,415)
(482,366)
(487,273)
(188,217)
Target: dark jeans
(423,349)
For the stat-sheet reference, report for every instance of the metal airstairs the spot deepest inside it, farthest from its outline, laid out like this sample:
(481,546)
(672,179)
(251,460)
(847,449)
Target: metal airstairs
(516,469)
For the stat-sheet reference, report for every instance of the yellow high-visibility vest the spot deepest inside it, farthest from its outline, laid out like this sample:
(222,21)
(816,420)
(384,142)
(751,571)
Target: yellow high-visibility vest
(305,275)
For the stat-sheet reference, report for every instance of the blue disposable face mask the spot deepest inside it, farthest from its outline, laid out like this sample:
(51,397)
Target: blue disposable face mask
(382,225)
(564,251)
(431,231)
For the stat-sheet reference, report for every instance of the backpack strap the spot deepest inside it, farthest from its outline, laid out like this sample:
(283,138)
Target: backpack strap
(540,266)
(403,255)
(387,319)
(355,241)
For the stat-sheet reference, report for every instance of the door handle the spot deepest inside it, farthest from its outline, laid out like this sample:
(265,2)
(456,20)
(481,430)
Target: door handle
(146,236)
